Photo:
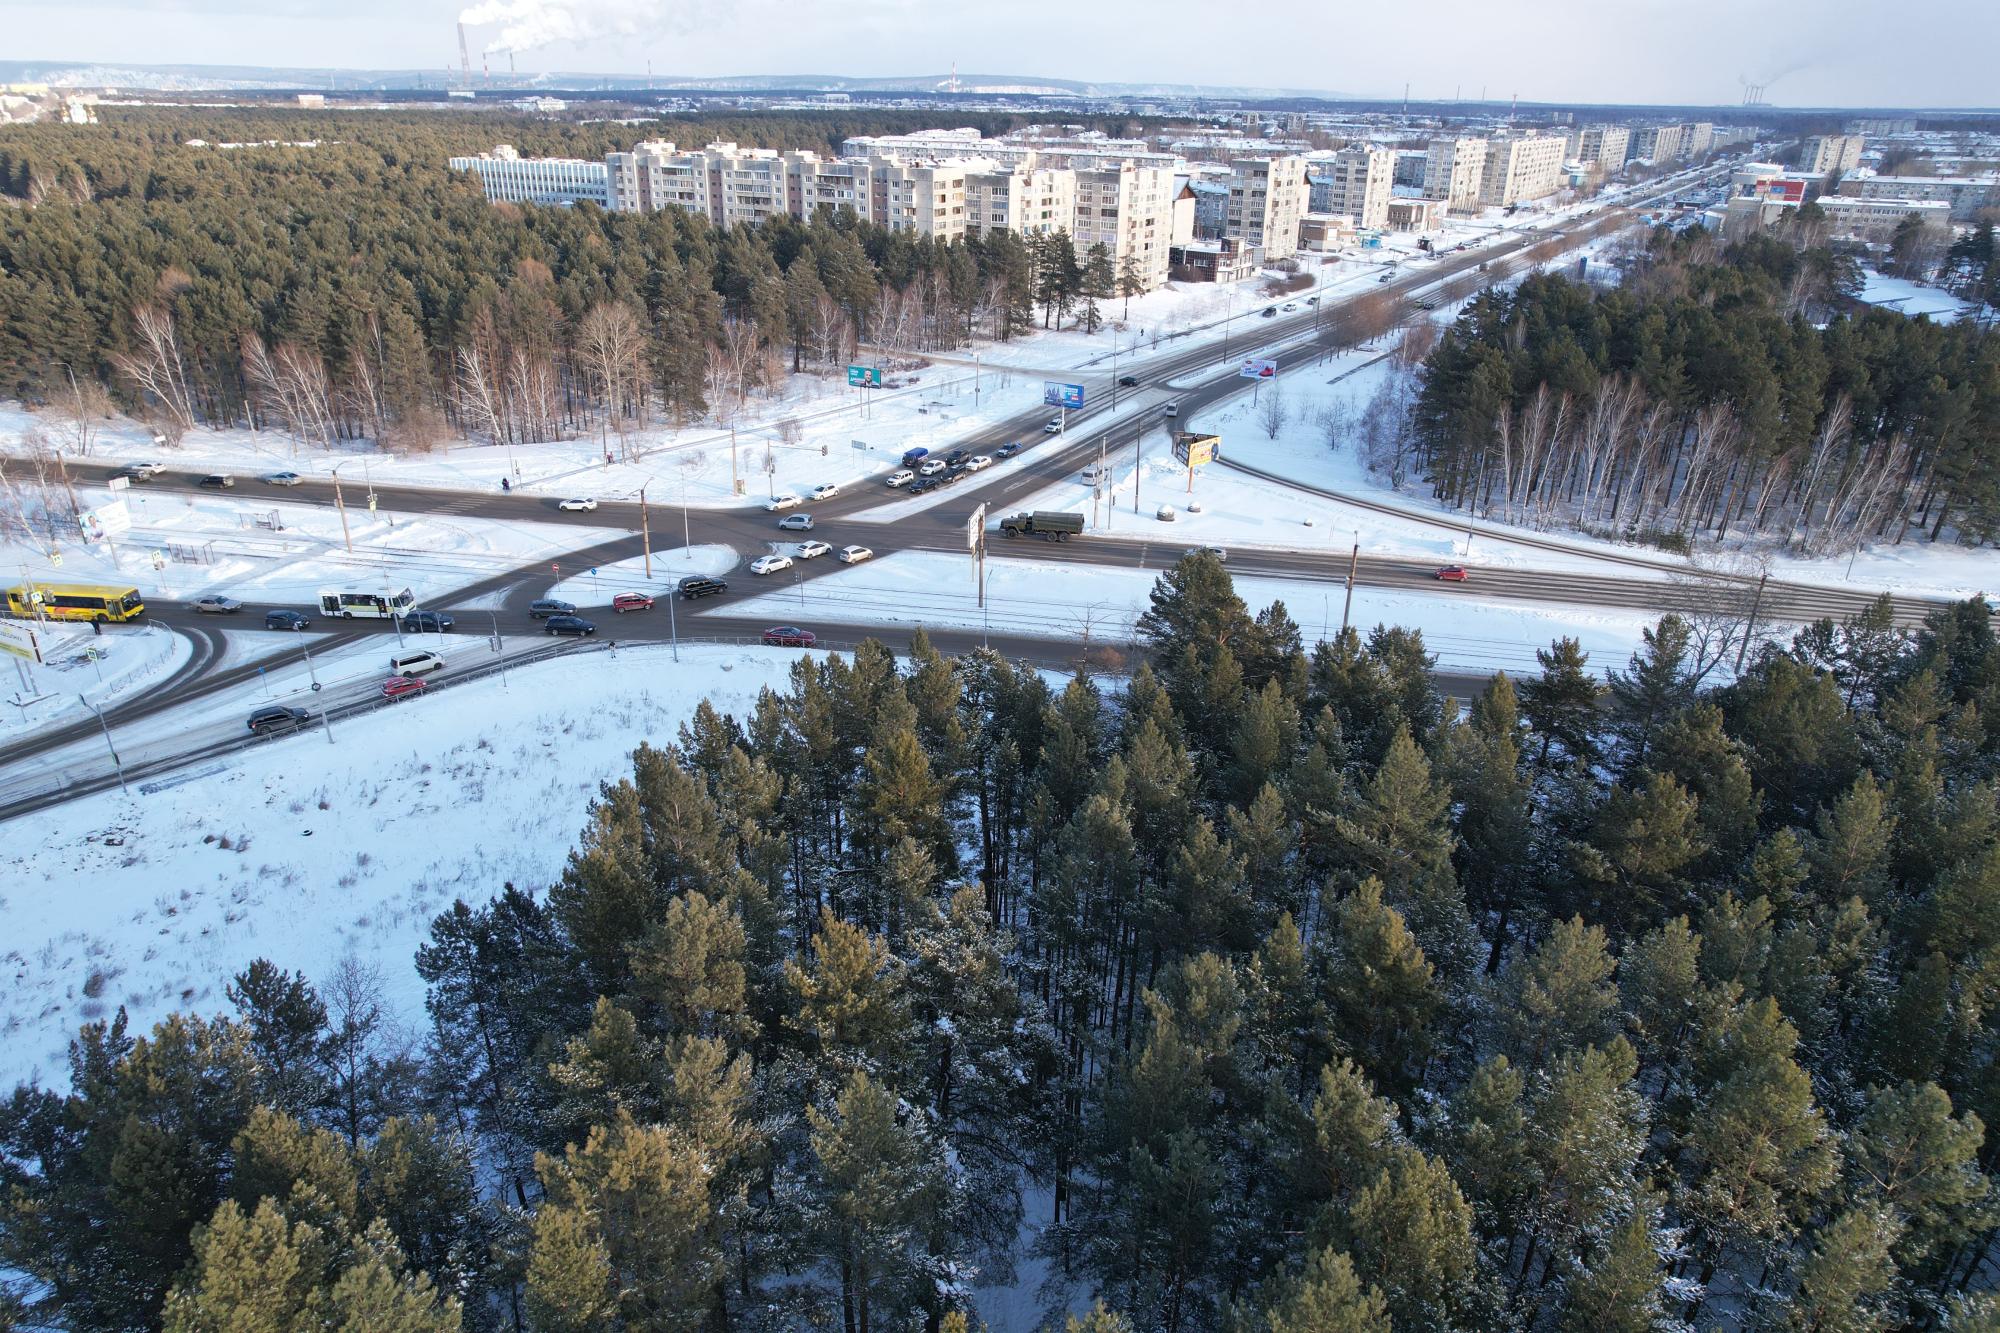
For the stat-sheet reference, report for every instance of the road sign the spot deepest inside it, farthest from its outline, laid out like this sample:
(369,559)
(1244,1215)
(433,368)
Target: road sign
(864,377)
(19,640)
(975,529)
(859,444)
(1193,450)
(1056,394)
(1258,368)
(118,484)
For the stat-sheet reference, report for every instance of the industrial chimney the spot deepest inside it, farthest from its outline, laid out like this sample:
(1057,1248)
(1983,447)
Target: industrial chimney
(464,60)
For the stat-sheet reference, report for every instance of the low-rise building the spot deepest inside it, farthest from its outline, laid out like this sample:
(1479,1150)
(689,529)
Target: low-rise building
(1875,221)
(509,178)
(1406,214)
(1324,233)
(1223,260)
(1966,194)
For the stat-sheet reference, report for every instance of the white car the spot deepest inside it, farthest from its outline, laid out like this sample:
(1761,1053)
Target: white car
(770,564)
(901,477)
(578,505)
(283,479)
(147,469)
(854,555)
(785,501)
(1053,428)
(978,463)
(826,490)
(932,466)
(1291,305)
(216,604)
(813,550)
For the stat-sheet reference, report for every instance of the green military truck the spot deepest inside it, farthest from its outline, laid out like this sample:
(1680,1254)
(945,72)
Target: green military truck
(1049,527)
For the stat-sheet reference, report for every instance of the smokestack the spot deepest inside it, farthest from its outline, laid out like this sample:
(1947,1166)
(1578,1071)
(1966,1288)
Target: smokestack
(464,60)
(485,67)
(510,62)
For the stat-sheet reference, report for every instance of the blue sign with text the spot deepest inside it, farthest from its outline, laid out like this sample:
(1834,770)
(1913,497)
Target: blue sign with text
(1062,395)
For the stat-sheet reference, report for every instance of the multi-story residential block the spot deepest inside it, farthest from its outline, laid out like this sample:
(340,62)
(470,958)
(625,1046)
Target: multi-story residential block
(1454,171)
(509,178)
(1027,201)
(928,199)
(1182,229)
(1521,169)
(1659,144)
(1267,196)
(1601,146)
(1697,138)
(1411,164)
(1211,206)
(1876,220)
(1358,181)
(1967,195)
(1129,210)
(1824,153)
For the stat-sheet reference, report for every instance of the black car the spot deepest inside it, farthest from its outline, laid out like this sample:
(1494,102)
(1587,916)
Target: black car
(424,622)
(1128,381)
(1008,450)
(217,481)
(275,718)
(286,620)
(570,625)
(1270,312)
(550,606)
(955,457)
(922,484)
(700,585)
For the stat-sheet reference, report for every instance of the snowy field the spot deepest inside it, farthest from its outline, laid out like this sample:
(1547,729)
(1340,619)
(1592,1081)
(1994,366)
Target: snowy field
(306,852)
(78,665)
(1911,298)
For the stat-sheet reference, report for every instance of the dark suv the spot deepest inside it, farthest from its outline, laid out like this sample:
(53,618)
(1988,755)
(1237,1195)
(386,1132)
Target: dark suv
(700,585)
(276,718)
(550,606)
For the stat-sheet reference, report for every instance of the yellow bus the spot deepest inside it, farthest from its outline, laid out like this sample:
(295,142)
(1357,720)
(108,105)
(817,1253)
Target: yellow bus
(75,601)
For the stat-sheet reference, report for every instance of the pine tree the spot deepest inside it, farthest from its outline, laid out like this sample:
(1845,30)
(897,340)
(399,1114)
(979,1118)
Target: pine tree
(1352,1132)
(1399,832)
(606,891)
(286,1023)
(1910,1152)
(1379,987)
(1643,838)
(1850,855)
(1329,1298)
(1659,684)
(1587,1126)
(1562,702)
(850,998)
(1562,994)
(689,970)
(1622,1291)
(1843,1280)
(1660,986)
(1488,1145)
(1410,1233)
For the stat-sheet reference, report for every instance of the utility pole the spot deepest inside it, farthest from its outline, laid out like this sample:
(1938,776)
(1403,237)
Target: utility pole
(735,486)
(341,507)
(646,533)
(116,762)
(311,675)
(1751,624)
(1114,370)
(673,623)
(1138,464)
(1353,563)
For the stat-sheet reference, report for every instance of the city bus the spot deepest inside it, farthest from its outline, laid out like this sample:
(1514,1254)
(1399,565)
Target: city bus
(75,601)
(366,605)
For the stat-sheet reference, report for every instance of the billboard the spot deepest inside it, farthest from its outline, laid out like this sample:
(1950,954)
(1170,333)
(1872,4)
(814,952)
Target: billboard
(1196,450)
(19,640)
(104,522)
(1258,368)
(1062,395)
(869,377)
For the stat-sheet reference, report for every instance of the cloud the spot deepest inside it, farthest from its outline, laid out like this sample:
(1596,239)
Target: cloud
(526,25)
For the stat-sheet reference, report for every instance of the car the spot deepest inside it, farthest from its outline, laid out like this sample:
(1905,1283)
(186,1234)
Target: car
(397,686)
(631,601)
(550,606)
(770,564)
(1128,381)
(923,485)
(812,550)
(790,636)
(912,457)
(826,490)
(283,479)
(1008,450)
(854,555)
(796,523)
(584,505)
(901,477)
(781,502)
(420,663)
(286,620)
(1451,574)
(135,472)
(145,470)
(275,718)
(1291,305)
(1171,410)
(932,466)
(978,463)
(216,604)
(1386,276)
(1268,312)
(1053,427)
(216,481)
(1218,552)
(954,458)
(576,625)
(1312,300)
(952,476)
(700,585)
(425,622)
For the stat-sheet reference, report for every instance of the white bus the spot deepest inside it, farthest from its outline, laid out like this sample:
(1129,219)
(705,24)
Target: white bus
(367,605)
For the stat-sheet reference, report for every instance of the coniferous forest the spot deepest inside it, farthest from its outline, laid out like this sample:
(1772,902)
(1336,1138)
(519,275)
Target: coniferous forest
(1265,989)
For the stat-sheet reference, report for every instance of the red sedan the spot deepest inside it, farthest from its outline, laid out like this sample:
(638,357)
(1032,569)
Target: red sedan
(397,686)
(631,601)
(790,636)
(1451,574)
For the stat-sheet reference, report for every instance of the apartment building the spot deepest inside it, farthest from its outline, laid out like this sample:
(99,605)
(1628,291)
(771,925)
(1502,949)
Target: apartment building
(1211,206)
(1697,138)
(1967,195)
(1027,201)
(928,199)
(509,178)
(1659,144)
(1602,146)
(1357,181)
(1876,220)
(1129,210)
(1454,172)
(1267,196)
(722,182)
(1824,153)
(1520,170)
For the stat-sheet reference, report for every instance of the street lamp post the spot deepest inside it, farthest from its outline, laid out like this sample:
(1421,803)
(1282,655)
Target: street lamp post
(646,532)
(116,762)
(341,507)
(311,675)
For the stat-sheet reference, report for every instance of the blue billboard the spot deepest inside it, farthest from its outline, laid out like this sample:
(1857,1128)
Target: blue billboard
(1062,395)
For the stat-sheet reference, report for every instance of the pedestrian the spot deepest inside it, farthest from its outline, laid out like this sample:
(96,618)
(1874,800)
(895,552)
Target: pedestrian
(504,486)
(607,458)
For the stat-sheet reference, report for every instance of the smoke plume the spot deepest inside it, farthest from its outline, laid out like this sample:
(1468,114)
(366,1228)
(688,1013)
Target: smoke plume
(528,24)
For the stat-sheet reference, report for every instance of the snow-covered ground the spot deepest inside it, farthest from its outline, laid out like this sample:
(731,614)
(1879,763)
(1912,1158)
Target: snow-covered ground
(595,587)
(1911,298)
(306,852)
(78,665)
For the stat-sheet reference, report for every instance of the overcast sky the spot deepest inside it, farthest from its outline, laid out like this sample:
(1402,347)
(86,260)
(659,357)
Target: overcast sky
(1809,52)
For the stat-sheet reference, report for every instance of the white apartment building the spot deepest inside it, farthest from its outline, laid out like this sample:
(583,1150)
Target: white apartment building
(1267,197)
(1520,170)
(1603,146)
(509,178)
(1454,172)
(1659,143)
(1360,180)
(928,199)
(1697,138)
(1027,201)
(1129,210)
(1967,195)
(1825,153)
(1876,220)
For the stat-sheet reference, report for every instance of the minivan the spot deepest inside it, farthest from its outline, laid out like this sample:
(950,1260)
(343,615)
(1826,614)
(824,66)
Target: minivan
(416,664)
(700,585)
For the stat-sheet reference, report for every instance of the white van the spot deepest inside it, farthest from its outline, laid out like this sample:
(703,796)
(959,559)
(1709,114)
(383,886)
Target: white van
(416,664)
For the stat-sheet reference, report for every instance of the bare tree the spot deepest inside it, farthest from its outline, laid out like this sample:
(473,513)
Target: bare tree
(81,412)
(1273,412)
(156,367)
(611,344)
(479,401)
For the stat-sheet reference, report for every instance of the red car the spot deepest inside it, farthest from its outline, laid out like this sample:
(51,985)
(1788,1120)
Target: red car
(631,601)
(790,636)
(1452,574)
(397,686)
